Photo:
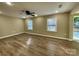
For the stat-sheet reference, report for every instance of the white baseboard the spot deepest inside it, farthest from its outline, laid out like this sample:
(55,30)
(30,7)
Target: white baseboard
(11,35)
(49,36)
(36,34)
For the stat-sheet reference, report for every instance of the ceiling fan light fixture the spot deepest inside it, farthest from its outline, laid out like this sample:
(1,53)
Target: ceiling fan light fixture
(56,11)
(36,15)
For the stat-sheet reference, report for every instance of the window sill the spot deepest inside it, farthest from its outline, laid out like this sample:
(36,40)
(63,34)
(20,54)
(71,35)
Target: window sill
(52,31)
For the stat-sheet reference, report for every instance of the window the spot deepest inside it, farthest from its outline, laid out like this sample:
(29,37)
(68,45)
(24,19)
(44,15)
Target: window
(29,24)
(51,24)
(76,28)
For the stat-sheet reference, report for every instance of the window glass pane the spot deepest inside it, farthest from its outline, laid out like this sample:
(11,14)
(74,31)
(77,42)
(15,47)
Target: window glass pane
(51,22)
(29,24)
(51,28)
(76,28)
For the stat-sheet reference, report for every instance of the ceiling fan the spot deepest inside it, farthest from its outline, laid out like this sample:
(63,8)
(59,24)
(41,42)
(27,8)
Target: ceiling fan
(30,13)
(26,13)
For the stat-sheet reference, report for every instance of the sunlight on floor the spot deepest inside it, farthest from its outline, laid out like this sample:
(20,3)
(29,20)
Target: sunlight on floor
(29,41)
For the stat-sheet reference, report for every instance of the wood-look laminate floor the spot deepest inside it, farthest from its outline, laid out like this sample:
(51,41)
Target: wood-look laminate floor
(30,45)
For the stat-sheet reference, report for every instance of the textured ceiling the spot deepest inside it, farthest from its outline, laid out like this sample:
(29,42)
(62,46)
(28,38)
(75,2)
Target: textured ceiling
(40,8)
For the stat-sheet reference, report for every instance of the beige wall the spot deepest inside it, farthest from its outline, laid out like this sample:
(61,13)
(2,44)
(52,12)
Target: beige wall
(10,25)
(40,26)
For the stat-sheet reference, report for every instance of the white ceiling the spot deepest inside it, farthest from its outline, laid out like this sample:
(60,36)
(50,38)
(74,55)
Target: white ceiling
(40,8)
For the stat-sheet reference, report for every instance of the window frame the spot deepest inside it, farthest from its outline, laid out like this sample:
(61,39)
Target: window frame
(28,25)
(48,25)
